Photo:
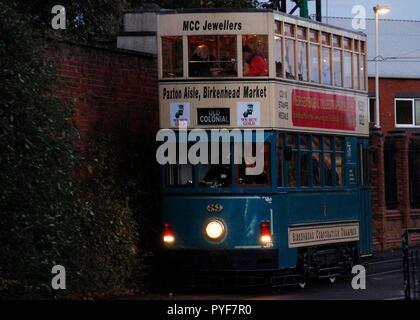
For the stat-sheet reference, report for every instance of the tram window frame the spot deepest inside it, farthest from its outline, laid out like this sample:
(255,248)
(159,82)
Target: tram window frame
(215,69)
(178,59)
(256,51)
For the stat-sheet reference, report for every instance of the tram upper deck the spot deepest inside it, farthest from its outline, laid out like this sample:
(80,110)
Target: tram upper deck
(260,69)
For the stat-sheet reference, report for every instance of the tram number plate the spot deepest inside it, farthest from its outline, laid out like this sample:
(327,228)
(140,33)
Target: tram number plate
(304,236)
(213,116)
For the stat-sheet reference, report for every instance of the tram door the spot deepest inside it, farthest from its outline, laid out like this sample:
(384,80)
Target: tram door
(365,209)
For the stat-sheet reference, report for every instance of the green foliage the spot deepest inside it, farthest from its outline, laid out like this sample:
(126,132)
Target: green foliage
(55,207)
(36,157)
(106,256)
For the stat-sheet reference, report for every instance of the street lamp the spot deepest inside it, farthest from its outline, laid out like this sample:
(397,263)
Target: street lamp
(378,9)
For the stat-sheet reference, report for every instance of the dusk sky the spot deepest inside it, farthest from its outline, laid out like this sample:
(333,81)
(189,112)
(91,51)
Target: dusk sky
(400,9)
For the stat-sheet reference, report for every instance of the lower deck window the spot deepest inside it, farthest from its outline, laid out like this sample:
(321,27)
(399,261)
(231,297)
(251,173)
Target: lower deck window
(244,178)
(179,175)
(312,160)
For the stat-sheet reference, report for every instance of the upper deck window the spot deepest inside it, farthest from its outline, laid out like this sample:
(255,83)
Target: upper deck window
(277,27)
(212,56)
(302,33)
(313,35)
(356,45)
(260,180)
(337,41)
(255,55)
(172,57)
(362,47)
(326,38)
(347,43)
(289,30)
(278,55)
(326,65)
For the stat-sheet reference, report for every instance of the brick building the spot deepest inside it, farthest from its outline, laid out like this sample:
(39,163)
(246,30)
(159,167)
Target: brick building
(395,138)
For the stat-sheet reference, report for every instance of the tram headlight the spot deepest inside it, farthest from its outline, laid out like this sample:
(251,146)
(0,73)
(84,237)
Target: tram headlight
(215,230)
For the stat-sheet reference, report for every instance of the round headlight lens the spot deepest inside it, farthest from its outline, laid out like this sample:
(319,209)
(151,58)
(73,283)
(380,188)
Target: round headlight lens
(215,230)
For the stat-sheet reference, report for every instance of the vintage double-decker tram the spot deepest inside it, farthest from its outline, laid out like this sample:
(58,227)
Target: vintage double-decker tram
(304,84)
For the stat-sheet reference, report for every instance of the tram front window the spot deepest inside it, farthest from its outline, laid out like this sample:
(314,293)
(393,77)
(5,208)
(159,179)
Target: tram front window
(216,175)
(212,56)
(179,175)
(244,178)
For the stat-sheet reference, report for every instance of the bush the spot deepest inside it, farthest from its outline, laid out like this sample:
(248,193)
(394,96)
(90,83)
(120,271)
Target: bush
(56,207)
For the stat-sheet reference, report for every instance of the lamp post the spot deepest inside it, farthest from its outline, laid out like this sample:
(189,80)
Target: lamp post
(378,9)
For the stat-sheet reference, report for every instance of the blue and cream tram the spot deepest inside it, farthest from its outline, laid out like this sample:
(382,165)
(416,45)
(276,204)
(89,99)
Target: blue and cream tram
(301,83)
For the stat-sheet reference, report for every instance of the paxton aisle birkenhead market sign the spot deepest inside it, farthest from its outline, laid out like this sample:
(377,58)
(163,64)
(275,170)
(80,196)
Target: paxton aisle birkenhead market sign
(262,105)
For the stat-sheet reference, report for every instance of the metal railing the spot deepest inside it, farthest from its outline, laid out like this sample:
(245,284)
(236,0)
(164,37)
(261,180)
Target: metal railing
(411,264)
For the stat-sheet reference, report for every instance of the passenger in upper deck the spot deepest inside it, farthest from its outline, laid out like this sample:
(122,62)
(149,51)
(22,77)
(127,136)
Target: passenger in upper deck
(201,64)
(254,63)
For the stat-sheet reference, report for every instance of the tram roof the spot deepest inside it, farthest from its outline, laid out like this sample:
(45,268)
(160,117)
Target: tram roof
(259,10)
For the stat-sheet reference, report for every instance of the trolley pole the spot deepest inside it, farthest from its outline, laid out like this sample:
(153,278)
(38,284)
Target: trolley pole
(303,9)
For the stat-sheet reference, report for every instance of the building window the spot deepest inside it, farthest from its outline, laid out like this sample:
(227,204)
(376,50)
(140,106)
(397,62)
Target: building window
(212,56)
(172,57)
(372,110)
(255,55)
(390,170)
(414,174)
(407,112)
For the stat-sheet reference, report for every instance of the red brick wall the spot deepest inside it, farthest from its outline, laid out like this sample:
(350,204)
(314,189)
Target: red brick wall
(112,90)
(387,90)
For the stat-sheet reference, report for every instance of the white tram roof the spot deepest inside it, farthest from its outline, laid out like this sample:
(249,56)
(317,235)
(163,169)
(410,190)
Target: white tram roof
(399,44)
